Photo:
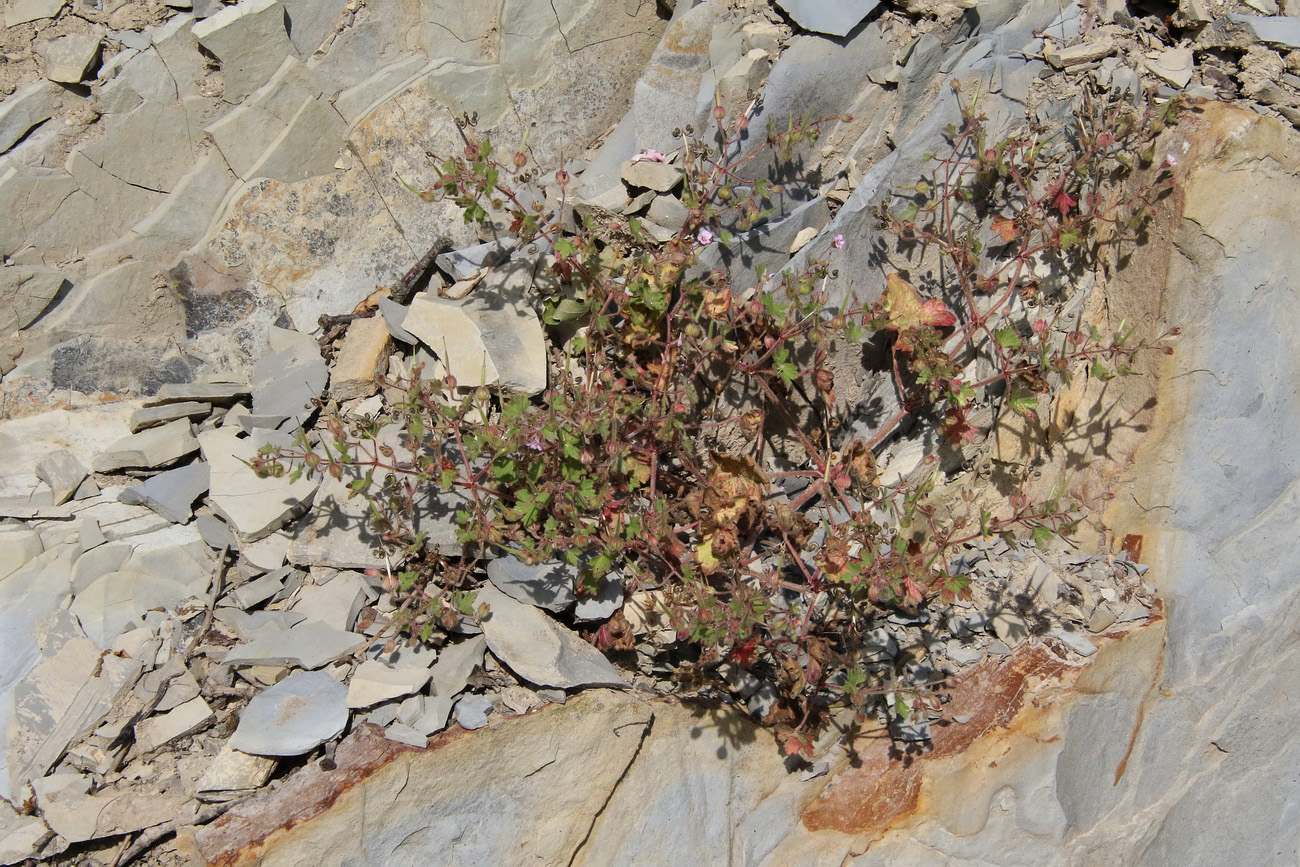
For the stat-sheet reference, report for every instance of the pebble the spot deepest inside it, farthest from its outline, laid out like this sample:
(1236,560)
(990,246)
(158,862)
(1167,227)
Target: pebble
(296,715)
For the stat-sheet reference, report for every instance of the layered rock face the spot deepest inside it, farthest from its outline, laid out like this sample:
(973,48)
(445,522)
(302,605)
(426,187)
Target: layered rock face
(185,198)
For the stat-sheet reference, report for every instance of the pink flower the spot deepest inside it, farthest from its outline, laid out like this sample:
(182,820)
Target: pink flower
(1171,159)
(535,443)
(838,243)
(650,156)
(705,237)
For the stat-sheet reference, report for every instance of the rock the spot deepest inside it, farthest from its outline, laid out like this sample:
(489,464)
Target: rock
(832,17)
(251,40)
(164,728)
(25,293)
(483,340)
(455,664)
(1278,30)
(287,382)
(22,11)
(117,601)
(404,734)
(254,507)
(171,493)
(63,473)
(21,837)
(69,691)
(298,714)
(394,315)
(257,591)
(1010,627)
(1074,641)
(150,448)
(1101,619)
(69,58)
(223,393)
(803,239)
(608,599)
(742,83)
(363,356)
(668,212)
(26,108)
(540,650)
(465,263)
(472,711)
(152,416)
(762,35)
(233,774)
(335,604)
(18,545)
(373,682)
(962,653)
(1174,65)
(1074,55)
(310,645)
(648,175)
(77,817)
(546,585)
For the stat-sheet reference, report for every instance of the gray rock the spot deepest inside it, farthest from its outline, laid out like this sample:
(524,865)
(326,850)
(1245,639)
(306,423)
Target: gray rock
(1277,29)
(962,653)
(18,545)
(540,650)
(223,393)
(257,625)
(22,11)
(1010,627)
(404,734)
(483,340)
(669,212)
(298,714)
(251,39)
(25,293)
(1174,65)
(171,493)
(472,711)
(254,507)
(832,17)
(150,448)
(21,837)
(546,585)
(373,682)
(117,601)
(742,83)
(255,592)
(69,58)
(233,774)
(180,722)
(310,645)
(335,604)
(287,382)
(152,416)
(608,599)
(23,110)
(464,264)
(394,315)
(311,22)
(1077,642)
(650,175)
(63,472)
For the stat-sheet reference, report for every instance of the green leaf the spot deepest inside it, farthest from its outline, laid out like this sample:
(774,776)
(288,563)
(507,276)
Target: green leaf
(1068,238)
(1008,338)
(565,248)
(1042,536)
(1023,404)
(566,310)
(909,213)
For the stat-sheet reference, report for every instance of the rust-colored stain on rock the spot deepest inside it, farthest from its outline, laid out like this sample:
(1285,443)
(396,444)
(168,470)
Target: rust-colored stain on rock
(997,696)
(239,835)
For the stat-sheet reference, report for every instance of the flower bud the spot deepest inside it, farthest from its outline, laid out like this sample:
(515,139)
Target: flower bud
(520,159)
(719,112)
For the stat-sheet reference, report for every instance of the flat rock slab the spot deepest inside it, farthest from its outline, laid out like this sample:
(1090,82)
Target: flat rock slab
(546,585)
(286,383)
(172,493)
(25,292)
(233,774)
(607,599)
(832,17)
(255,507)
(298,714)
(76,817)
(69,58)
(208,392)
(311,644)
(152,416)
(650,175)
(540,650)
(483,340)
(150,448)
(373,682)
(63,472)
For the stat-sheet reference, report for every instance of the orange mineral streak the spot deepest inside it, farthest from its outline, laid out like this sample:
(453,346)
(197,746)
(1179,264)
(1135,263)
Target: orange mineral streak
(1000,697)
(239,836)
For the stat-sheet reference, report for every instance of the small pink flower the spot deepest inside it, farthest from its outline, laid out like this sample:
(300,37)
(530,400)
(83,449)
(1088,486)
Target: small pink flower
(705,237)
(838,243)
(1171,160)
(535,443)
(650,156)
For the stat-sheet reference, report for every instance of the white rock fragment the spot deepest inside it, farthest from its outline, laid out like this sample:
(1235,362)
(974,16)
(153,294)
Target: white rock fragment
(373,682)
(255,507)
(540,650)
(472,711)
(183,721)
(1174,65)
(150,448)
(69,58)
(482,340)
(649,175)
(310,644)
(233,774)
(335,604)
(298,714)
